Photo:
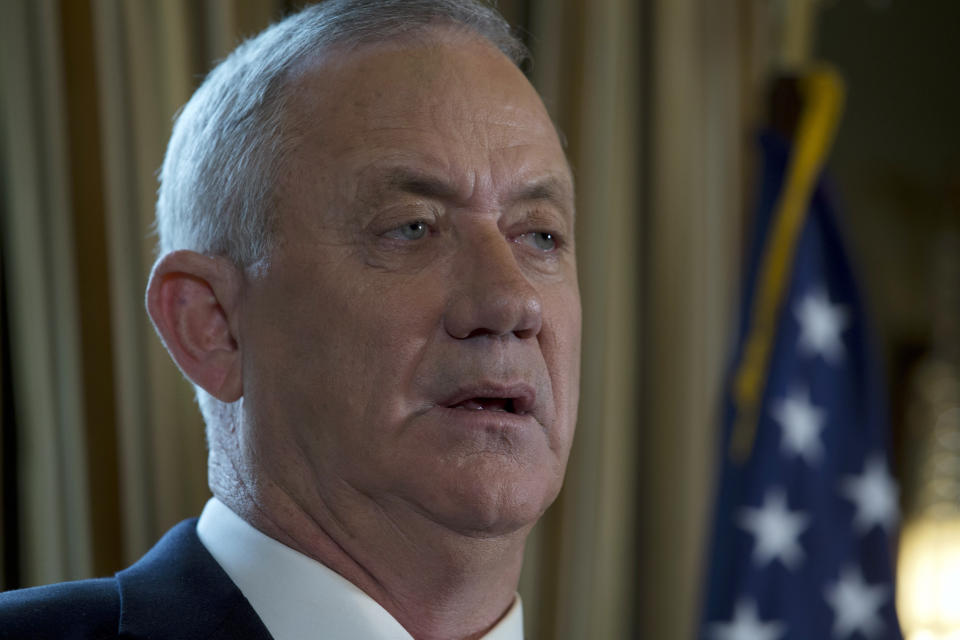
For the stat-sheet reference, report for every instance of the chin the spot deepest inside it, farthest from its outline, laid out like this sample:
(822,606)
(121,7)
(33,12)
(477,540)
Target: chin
(490,499)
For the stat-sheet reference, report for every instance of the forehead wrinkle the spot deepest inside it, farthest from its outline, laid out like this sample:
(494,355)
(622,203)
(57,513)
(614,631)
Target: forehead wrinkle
(427,170)
(405,169)
(419,129)
(419,183)
(552,188)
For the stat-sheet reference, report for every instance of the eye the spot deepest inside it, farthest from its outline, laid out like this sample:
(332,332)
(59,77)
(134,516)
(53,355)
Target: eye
(542,240)
(416,230)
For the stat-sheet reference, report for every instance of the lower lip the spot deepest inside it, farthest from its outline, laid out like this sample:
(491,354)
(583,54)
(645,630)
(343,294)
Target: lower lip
(484,418)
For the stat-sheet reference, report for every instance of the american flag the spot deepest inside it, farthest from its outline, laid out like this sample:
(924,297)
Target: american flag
(806,512)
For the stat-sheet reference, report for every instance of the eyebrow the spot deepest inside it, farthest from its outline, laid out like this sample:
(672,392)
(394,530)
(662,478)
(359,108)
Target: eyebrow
(419,184)
(550,189)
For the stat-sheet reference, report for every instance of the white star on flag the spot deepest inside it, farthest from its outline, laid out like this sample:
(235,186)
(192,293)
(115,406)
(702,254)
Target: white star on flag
(801,423)
(776,530)
(746,625)
(821,324)
(874,494)
(856,605)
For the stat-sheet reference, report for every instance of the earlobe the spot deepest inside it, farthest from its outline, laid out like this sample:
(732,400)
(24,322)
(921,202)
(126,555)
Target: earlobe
(193,301)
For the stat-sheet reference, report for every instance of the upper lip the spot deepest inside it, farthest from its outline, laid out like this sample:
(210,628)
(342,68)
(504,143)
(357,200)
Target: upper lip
(523,395)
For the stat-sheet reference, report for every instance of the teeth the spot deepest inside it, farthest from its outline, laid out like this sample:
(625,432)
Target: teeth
(487,404)
(472,405)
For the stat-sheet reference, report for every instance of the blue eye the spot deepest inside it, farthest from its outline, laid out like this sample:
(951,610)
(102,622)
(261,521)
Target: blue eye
(542,240)
(413,230)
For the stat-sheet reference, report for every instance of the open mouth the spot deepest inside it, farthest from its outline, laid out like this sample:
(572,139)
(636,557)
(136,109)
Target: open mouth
(507,405)
(517,399)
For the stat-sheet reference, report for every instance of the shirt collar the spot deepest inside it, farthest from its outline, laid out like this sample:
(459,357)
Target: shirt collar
(295,596)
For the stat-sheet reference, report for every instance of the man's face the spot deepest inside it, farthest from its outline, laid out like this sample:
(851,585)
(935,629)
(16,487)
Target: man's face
(414,339)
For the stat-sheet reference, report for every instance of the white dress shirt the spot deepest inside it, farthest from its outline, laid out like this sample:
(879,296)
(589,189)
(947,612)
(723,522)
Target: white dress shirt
(296,597)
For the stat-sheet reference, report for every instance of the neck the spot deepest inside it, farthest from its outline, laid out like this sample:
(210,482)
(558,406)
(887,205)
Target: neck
(436,582)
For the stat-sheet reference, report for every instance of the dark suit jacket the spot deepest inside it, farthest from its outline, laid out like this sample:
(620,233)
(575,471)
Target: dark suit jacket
(176,591)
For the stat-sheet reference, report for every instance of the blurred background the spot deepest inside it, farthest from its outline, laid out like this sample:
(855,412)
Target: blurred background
(660,102)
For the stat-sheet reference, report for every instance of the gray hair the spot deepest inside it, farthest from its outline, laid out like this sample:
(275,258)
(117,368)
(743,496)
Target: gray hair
(229,144)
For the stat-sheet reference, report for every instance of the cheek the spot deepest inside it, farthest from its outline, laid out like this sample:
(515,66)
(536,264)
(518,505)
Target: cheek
(364,338)
(562,323)
(560,344)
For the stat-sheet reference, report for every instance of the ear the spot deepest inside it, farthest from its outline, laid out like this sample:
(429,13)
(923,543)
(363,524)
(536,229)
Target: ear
(193,301)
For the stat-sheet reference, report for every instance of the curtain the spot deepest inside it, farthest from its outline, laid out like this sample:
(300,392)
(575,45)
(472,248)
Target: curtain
(693,234)
(109,445)
(51,472)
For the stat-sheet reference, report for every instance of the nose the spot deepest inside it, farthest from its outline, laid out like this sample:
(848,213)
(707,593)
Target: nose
(492,295)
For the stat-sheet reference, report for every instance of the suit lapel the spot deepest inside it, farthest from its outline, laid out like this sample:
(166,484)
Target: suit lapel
(179,591)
